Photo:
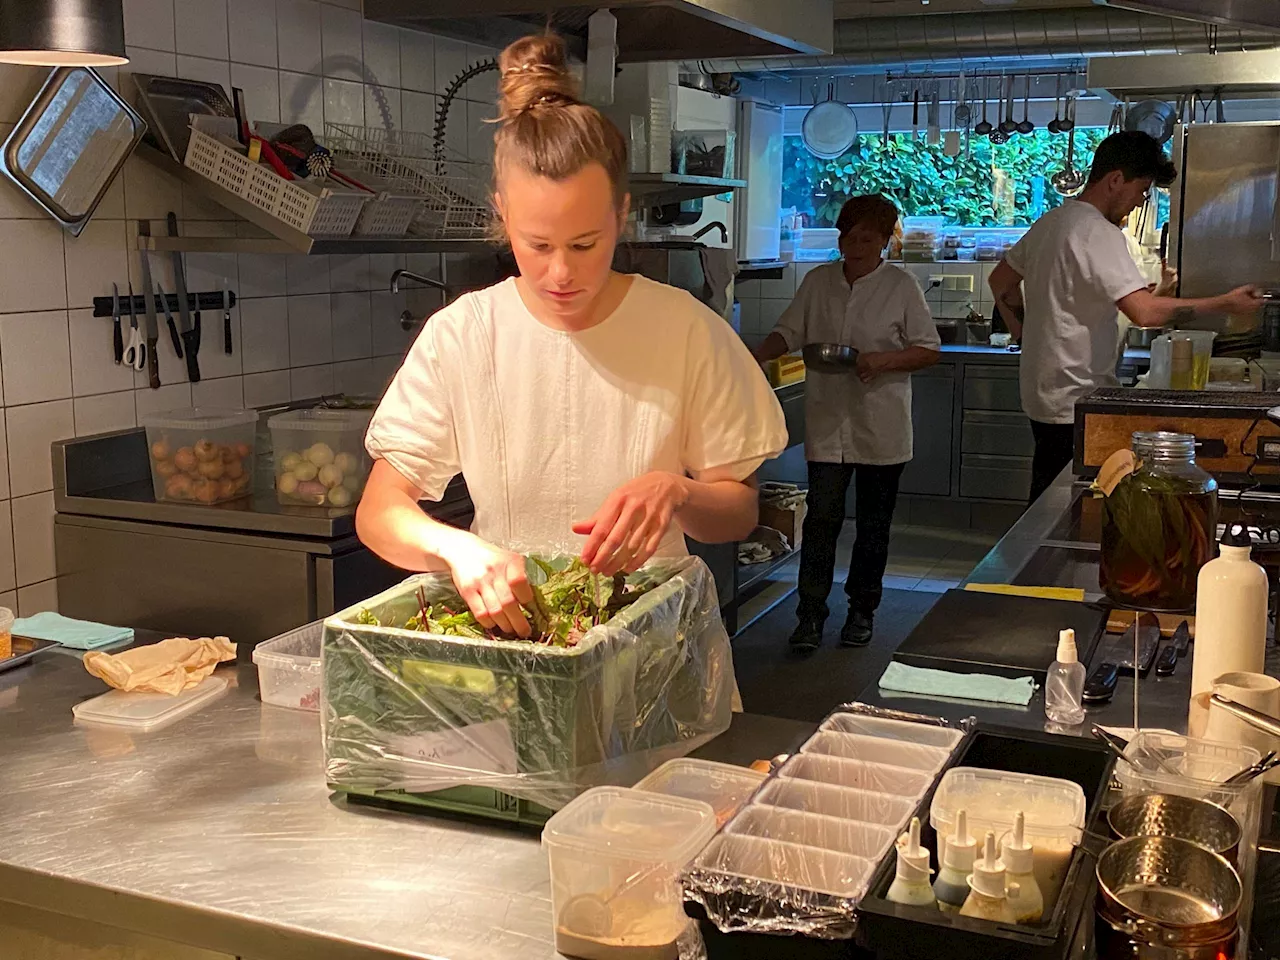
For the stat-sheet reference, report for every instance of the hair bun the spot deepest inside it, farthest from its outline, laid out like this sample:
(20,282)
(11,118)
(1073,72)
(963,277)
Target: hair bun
(535,71)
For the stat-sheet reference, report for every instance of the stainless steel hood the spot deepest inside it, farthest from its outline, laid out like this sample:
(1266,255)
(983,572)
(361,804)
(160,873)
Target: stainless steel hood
(1259,14)
(648,30)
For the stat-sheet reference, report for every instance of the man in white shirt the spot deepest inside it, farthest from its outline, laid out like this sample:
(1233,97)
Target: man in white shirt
(856,423)
(1060,286)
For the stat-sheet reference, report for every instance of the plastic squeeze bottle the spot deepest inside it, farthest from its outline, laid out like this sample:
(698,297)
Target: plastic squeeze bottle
(958,853)
(988,899)
(1064,685)
(1018,854)
(911,883)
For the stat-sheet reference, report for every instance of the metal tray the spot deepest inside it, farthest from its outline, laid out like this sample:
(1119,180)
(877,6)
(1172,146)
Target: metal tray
(168,104)
(24,648)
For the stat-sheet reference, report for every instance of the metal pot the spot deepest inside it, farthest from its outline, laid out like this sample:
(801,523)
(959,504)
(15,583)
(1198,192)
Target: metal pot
(1167,815)
(1143,336)
(830,357)
(1167,892)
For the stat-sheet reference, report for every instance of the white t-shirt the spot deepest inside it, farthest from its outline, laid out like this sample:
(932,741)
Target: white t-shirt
(1075,266)
(846,420)
(545,424)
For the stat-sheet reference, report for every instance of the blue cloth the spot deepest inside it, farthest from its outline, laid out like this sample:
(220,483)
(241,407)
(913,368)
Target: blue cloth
(963,686)
(80,634)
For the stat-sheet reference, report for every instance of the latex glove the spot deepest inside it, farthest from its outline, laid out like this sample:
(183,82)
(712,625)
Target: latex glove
(629,526)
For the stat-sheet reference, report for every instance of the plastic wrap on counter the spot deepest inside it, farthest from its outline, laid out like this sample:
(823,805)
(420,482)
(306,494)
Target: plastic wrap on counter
(423,712)
(798,858)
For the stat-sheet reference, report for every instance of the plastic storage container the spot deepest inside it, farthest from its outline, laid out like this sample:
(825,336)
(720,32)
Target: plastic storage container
(867,726)
(849,837)
(289,668)
(894,753)
(865,806)
(615,857)
(858,774)
(319,456)
(722,785)
(201,455)
(6,633)
(142,712)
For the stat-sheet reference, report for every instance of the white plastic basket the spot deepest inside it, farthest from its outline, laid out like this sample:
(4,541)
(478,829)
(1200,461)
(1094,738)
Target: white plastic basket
(387,216)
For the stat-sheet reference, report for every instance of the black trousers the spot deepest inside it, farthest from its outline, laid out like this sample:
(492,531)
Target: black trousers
(875,495)
(1055,448)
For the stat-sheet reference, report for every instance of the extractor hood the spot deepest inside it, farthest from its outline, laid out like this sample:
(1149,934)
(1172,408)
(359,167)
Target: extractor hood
(1260,14)
(647,29)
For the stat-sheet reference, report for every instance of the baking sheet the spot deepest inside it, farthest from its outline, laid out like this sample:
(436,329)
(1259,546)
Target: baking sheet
(24,648)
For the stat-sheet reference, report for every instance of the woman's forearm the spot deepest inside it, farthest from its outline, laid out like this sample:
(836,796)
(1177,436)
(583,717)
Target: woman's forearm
(391,524)
(718,511)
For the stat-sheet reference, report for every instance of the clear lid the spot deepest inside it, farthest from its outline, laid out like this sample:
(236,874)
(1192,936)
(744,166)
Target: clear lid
(722,785)
(321,419)
(1054,808)
(141,712)
(633,824)
(200,418)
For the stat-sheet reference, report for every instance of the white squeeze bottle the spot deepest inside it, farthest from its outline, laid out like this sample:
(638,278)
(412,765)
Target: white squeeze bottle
(1025,898)
(911,883)
(958,853)
(988,898)
(1064,686)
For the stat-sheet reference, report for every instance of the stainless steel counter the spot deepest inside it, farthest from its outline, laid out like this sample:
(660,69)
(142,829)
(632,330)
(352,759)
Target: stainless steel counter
(219,833)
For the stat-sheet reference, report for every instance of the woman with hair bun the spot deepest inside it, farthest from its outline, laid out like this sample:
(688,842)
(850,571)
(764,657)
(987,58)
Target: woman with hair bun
(588,410)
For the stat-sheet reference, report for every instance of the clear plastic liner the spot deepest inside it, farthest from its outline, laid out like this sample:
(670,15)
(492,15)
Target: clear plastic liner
(829,801)
(858,774)
(418,712)
(895,753)
(872,726)
(849,837)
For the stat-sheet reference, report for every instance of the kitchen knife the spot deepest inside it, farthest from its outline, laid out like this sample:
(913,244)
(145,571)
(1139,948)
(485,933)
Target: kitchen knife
(149,306)
(117,337)
(168,318)
(1167,660)
(1182,638)
(226,320)
(190,339)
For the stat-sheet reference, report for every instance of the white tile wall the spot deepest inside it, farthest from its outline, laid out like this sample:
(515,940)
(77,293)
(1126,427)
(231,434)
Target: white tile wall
(302,325)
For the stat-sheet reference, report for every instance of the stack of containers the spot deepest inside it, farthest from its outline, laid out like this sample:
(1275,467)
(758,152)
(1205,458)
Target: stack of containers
(809,841)
(922,239)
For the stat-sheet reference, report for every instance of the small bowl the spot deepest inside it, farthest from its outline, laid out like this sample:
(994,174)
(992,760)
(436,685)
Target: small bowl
(1187,818)
(830,357)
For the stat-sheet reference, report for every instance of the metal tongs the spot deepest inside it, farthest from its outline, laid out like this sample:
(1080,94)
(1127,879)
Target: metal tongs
(1259,721)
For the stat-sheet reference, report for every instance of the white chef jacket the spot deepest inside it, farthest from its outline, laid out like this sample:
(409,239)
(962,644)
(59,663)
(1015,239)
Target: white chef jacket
(1075,266)
(544,424)
(846,420)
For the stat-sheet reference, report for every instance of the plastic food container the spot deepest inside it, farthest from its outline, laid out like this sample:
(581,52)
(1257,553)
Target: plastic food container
(895,753)
(201,454)
(1054,810)
(864,806)
(289,668)
(141,712)
(6,633)
(722,785)
(787,864)
(858,774)
(319,456)
(615,857)
(866,726)
(849,837)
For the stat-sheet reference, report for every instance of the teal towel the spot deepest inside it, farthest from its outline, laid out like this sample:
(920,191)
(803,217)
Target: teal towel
(80,634)
(963,686)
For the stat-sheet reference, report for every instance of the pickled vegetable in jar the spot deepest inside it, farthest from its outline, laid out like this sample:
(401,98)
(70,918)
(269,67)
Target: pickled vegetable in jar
(1158,525)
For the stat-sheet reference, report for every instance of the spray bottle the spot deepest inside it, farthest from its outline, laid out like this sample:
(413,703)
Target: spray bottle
(911,883)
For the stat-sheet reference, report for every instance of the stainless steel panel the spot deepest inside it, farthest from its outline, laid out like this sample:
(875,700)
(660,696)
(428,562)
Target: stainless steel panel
(1166,75)
(932,408)
(989,393)
(995,478)
(1228,204)
(792,400)
(351,577)
(1002,434)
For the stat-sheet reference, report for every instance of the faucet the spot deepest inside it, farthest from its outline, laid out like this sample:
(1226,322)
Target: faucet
(425,281)
(713,225)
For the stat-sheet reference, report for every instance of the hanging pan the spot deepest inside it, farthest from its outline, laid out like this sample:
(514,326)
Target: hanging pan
(829,128)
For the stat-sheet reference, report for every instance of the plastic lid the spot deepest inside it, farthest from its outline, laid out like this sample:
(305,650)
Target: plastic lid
(1237,535)
(961,847)
(141,712)
(913,859)
(624,823)
(321,419)
(200,418)
(1067,648)
(724,786)
(988,877)
(1054,808)
(1015,850)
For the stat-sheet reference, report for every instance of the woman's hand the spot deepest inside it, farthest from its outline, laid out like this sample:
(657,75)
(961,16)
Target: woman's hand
(629,526)
(492,582)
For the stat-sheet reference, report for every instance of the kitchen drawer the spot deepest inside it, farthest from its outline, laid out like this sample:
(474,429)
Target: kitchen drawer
(991,393)
(997,433)
(995,478)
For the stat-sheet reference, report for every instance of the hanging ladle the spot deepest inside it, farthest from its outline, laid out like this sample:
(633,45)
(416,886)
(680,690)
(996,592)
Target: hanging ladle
(1026,126)
(1055,125)
(984,127)
(1009,126)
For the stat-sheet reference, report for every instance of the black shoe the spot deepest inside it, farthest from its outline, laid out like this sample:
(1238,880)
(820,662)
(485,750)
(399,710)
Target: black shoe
(857,630)
(807,636)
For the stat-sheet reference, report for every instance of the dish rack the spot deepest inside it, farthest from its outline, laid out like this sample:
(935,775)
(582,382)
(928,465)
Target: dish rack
(452,190)
(314,209)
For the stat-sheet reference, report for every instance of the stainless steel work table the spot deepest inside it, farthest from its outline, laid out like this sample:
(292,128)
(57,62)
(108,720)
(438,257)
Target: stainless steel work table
(219,833)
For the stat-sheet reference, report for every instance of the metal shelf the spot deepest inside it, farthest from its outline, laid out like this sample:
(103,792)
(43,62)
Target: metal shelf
(655,189)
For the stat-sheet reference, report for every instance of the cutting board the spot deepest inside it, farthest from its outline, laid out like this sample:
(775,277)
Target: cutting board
(1006,636)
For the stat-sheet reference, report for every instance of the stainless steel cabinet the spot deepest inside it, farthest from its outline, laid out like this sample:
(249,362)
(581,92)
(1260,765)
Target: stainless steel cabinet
(932,412)
(991,387)
(995,478)
(996,432)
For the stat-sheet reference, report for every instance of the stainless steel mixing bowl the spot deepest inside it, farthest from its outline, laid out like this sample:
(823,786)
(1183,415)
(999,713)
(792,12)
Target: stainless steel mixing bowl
(1167,815)
(830,357)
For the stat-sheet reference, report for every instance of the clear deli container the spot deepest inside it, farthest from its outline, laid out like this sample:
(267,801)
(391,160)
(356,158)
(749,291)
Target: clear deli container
(319,456)
(201,454)
(858,774)
(722,785)
(788,865)
(849,837)
(615,857)
(289,668)
(1054,811)
(895,753)
(867,726)
(865,806)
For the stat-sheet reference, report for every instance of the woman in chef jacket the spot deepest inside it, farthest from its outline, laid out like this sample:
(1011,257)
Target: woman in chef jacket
(587,410)
(858,424)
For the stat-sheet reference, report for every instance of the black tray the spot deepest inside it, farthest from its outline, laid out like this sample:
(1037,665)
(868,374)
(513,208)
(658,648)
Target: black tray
(896,932)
